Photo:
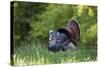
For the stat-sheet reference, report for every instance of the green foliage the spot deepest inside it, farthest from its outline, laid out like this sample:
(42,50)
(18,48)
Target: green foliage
(34,20)
(23,13)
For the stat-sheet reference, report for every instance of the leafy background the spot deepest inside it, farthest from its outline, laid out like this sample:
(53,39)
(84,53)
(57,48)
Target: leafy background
(32,22)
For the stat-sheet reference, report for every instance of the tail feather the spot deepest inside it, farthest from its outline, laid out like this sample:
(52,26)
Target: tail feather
(74,30)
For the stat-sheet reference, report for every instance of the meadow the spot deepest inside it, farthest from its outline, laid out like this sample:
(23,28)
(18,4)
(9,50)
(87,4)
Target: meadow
(36,53)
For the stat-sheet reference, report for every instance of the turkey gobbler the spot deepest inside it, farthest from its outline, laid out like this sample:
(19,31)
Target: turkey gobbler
(65,38)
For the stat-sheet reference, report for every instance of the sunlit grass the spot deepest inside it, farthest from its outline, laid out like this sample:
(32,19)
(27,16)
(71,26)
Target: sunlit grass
(36,54)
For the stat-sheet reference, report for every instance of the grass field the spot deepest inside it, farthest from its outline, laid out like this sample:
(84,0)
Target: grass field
(36,53)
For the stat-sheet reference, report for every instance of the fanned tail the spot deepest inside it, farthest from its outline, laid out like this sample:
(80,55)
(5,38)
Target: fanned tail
(74,30)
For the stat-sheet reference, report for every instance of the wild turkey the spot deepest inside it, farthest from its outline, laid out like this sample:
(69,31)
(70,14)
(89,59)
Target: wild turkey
(64,38)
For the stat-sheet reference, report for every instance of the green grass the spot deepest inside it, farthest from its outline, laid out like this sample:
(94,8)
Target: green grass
(36,53)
